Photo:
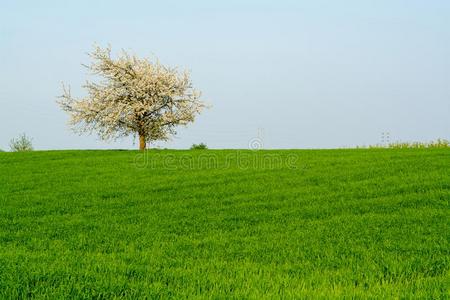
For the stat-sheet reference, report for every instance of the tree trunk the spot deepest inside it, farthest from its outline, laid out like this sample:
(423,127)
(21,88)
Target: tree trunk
(142,143)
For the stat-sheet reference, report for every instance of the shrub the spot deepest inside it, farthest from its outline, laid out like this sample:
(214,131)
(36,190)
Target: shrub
(21,144)
(439,143)
(200,146)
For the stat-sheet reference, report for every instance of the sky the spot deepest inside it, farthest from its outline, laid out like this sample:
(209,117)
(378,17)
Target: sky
(292,74)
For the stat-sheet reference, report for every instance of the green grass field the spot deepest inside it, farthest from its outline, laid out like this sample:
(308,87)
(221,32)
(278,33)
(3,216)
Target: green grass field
(225,224)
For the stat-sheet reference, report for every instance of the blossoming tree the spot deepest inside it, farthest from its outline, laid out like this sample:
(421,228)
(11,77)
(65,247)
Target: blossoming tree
(136,97)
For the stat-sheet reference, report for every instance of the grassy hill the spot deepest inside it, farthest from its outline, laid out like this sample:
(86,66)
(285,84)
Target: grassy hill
(318,223)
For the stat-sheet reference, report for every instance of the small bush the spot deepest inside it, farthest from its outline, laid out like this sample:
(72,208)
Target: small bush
(21,144)
(200,146)
(439,143)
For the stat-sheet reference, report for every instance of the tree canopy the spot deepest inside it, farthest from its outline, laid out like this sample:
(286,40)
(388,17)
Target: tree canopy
(136,96)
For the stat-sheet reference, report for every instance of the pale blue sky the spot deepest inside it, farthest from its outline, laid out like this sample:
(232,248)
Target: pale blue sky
(310,74)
